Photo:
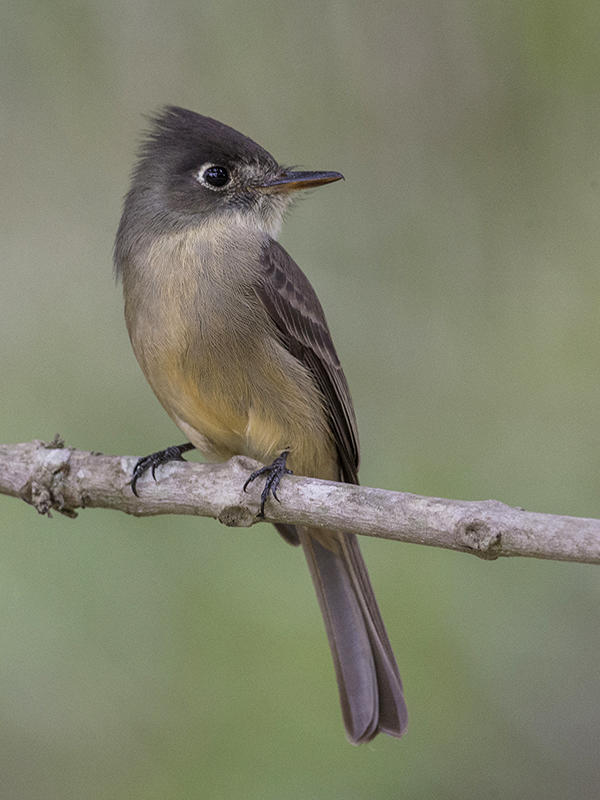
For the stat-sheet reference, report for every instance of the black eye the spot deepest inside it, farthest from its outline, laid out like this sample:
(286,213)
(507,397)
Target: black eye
(216,176)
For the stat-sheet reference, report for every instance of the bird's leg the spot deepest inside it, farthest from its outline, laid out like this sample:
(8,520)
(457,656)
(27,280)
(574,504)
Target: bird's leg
(154,460)
(274,473)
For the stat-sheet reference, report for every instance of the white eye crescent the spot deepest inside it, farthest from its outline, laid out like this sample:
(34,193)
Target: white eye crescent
(213,176)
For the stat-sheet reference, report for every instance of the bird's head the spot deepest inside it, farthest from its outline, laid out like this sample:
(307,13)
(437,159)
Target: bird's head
(193,169)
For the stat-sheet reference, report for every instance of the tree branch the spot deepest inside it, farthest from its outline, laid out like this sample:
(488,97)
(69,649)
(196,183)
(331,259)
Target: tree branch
(51,476)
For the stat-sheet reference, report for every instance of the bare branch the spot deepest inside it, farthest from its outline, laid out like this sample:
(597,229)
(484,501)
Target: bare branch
(51,476)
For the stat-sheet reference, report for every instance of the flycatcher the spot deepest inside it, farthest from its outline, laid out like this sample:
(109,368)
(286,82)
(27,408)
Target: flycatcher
(233,341)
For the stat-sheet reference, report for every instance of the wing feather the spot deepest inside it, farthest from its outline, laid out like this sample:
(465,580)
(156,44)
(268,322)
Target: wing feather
(292,304)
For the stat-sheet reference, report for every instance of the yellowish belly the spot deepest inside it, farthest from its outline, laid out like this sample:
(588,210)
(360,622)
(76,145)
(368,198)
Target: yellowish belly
(257,408)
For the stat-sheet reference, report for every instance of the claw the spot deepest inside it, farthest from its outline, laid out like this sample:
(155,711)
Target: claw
(254,475)
(275,473)
(154,460)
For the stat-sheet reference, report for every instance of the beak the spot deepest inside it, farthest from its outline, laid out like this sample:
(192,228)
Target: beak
(290,181)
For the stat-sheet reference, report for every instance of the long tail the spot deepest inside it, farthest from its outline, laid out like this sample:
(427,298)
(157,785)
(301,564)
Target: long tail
(369,682)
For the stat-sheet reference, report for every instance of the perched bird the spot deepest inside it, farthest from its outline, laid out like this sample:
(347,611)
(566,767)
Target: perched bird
(233,340)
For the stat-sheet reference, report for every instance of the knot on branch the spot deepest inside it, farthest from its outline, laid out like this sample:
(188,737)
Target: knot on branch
(477,537)
(236,517)
(44,491)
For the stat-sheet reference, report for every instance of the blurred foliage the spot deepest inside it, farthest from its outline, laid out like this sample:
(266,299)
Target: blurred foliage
(458,265)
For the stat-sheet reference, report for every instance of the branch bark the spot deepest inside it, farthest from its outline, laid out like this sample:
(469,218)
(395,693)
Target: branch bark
(54,477)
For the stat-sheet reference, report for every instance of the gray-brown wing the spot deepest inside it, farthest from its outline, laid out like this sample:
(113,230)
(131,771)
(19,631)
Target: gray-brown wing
(295,309)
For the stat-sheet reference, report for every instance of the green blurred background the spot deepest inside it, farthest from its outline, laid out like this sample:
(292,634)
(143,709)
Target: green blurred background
(458,265)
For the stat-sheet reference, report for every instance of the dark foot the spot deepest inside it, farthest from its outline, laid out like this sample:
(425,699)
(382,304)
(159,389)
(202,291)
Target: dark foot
(154,460)
(274,473)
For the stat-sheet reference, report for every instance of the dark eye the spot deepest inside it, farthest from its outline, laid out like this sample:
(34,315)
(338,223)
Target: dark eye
(216,176)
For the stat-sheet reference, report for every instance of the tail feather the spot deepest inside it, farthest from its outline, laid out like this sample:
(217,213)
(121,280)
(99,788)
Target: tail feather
(368,679)
(392,708)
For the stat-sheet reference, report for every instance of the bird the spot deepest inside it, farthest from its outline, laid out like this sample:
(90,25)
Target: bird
(233,340)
